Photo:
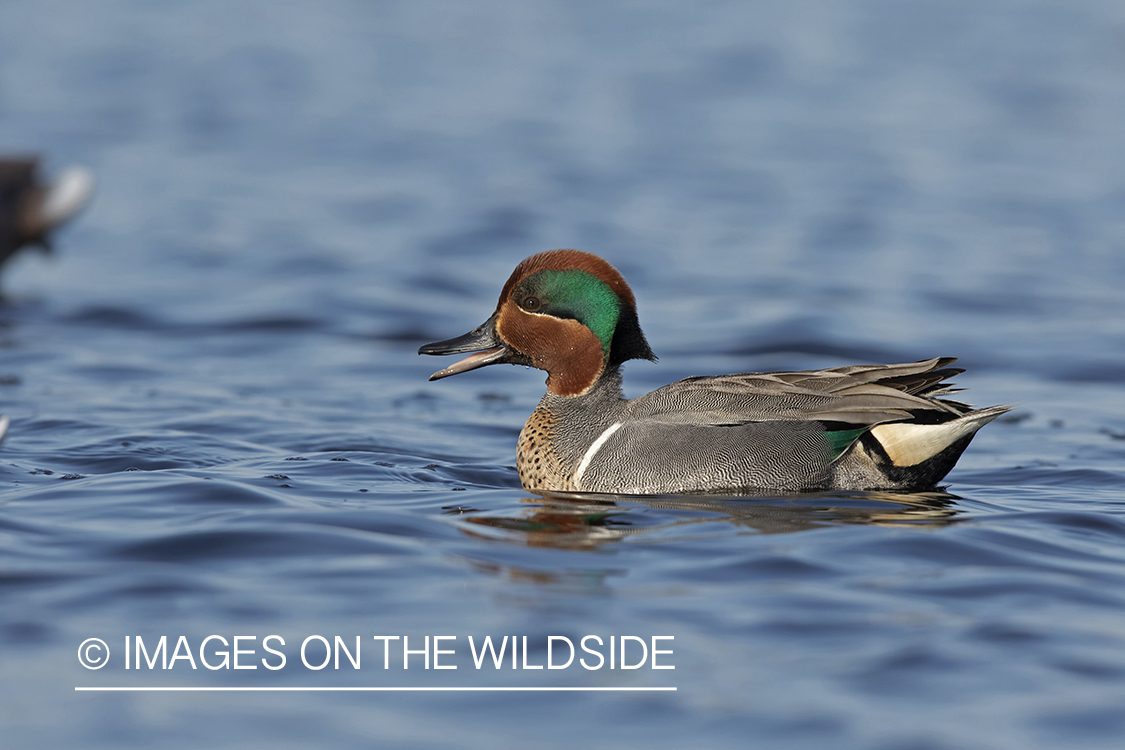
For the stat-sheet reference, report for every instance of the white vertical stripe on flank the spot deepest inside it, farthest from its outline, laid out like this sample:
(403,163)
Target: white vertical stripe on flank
(591,452)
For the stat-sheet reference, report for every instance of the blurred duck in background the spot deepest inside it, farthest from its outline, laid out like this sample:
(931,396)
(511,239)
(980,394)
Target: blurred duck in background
(30,208)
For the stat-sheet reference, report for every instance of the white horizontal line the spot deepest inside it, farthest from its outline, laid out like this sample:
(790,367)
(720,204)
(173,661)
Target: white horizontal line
(369,689)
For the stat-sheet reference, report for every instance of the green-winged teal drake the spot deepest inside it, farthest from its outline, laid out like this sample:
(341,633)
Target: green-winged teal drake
(845,428)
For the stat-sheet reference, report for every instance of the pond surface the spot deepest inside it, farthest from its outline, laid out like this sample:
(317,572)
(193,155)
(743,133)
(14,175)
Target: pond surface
(220,426)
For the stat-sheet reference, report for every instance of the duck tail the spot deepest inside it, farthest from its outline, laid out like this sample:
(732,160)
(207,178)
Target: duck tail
(910,444)
(56,203)
(898,455)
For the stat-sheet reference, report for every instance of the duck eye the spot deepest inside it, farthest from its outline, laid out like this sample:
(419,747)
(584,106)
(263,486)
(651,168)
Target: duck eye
(531,303)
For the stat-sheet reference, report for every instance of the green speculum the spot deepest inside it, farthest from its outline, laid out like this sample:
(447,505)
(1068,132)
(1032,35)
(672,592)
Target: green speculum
(840,440)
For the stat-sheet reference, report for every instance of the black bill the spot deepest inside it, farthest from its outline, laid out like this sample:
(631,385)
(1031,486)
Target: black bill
(487,347)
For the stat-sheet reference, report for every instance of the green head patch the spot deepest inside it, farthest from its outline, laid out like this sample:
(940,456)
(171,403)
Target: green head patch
(575,295)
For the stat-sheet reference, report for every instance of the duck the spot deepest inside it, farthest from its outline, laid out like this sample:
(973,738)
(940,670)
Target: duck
(572,314)
(31,208)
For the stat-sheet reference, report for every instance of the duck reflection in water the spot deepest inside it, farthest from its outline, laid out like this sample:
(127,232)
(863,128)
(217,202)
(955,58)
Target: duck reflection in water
(587,521)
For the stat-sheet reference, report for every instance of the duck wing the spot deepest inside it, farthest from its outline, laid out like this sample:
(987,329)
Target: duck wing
(857,394)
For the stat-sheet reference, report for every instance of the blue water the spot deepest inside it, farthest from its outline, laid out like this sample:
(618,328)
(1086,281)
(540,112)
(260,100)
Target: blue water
(220,425)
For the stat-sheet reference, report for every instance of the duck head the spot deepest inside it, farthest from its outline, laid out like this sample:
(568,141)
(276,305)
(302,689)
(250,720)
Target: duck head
(564,311)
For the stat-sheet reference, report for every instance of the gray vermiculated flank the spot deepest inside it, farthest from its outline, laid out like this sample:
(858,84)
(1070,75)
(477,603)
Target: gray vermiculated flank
(750,430)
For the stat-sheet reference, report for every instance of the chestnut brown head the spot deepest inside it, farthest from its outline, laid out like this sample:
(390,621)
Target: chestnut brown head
(564,311)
